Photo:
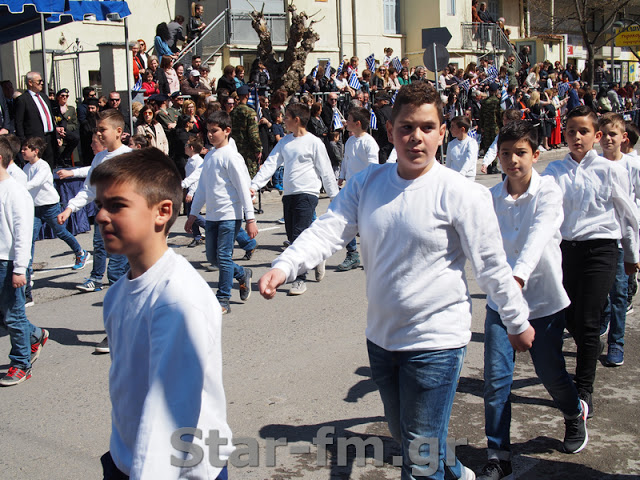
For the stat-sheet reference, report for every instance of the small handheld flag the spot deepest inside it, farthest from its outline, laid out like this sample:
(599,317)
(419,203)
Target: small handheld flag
(393,98)
(340,68)
(327,69)
(354,82)
(396,64)
(371,63)
(337,121)
(373,121)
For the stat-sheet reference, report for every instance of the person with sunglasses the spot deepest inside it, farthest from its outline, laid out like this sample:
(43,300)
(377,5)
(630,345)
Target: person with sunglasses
(67,127)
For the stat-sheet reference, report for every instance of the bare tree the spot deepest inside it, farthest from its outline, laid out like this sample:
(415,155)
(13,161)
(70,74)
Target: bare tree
(302,40)
(591,19)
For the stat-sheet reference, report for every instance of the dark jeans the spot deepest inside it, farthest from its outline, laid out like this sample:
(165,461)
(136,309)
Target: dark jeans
(111,472)
(118,264)
(589,269)
(219,247)
(298,215)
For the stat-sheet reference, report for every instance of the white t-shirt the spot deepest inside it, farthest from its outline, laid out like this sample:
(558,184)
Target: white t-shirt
(416,236)
(164,331)
(40,183)
(16,224)
(462,156)
(359,153)
(192,170)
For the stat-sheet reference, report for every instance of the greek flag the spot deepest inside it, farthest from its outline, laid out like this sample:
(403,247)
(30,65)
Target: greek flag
(492,71)
(354,82)
(473,133)
(563,88)
(466,85)
(393,98)
(257,102)
(340,68)
(138,85)
(371,62)
(315,71)
(337,121)
(327,69)
(396,64)
(373,121)
(505,95)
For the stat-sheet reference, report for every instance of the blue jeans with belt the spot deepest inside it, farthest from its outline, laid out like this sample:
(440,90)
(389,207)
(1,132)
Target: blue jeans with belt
(417,390)
(219,242)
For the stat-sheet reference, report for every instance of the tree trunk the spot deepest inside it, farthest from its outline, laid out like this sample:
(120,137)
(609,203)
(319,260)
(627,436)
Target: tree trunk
(302,39)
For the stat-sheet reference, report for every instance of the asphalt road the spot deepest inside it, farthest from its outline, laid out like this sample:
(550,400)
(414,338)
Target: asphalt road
(292,366)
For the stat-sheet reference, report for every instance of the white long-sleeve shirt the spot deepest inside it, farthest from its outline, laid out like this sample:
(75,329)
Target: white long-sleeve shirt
(462,156)
(18,174)
(306,166)
(88,192)
(632,165)
(16,224)
(224,187)
(530,228)
(491,154)
(416,238)
(40,183)
(359,153)
(596,201)
(192,170)
(164,331)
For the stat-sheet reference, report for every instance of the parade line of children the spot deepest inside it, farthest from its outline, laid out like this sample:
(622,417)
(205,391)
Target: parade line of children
(419,222)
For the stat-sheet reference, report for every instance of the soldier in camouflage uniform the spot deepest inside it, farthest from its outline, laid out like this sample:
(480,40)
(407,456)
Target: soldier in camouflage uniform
(490,118)
(244,130)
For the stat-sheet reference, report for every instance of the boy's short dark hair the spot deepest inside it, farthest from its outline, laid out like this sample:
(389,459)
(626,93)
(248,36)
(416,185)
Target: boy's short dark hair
(613,119)
(417,94)
(633,133)
(512,114)
(6,152)
(14,143)
(334,136)
(154,175)
(360,114)
(141,140)
(461,121)
(195,142)
(220,118)
(519,130)
(584,111)
(35,143)
(113,117)
(316,108)
(301,111)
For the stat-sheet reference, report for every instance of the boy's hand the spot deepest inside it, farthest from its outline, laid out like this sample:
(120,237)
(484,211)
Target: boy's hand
(252,229)
(189,224)
(630,268)
(19,280)
(188,198)
(270,281)
(62,174)
(253,192)
(340,181)
(519,281)
(62,217)
(483,169)
(523,341)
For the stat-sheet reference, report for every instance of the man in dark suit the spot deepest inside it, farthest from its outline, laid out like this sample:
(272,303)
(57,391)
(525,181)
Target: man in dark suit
(34,117)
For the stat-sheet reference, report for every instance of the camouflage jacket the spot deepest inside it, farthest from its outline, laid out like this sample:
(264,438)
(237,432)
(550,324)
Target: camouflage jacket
(490,115)
(244,130)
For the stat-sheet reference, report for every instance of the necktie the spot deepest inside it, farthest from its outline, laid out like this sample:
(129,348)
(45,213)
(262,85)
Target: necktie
(46,113)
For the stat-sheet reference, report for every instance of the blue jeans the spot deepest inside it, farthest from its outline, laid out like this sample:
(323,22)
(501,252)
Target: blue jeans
(615,313)
(417,390)
(245,242)
(352,246)
(21,332)
(198,224)
(118,264)
(499,361)
(299,213)
(219,246)
(278,178)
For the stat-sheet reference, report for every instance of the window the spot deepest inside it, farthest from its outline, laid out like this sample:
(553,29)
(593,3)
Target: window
(391,16)
(451,7)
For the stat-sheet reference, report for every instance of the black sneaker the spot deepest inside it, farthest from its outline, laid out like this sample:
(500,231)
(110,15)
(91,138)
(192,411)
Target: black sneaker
(586,396)
(248,254)
(496,470)
(103,346)
(245,285)
(196,242)
(575,431)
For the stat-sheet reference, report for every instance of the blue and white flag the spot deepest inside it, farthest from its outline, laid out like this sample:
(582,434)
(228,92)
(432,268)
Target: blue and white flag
(315,71)
(340,68)
(327,69)
(505,95)
(354,82)
(563,88)
(371,62)
(393,98)
(466,85)
(397,64)
(473,133)
(337,121)
(492,71)
(138,85)
(257,100)
(373,121)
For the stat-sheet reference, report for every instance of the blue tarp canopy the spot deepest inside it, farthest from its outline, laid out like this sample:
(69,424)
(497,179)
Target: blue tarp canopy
(21,18)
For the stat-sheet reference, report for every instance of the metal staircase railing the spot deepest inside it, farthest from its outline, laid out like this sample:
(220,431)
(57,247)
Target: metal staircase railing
(214,37)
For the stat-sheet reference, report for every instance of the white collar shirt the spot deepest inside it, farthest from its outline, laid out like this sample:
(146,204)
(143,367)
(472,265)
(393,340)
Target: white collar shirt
(47,124)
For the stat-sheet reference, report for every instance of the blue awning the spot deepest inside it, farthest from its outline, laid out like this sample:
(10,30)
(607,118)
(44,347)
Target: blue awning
(21,18)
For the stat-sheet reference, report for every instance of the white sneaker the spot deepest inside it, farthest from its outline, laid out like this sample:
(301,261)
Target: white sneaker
(212,268)
(320,270)
(467,474)
(298,287)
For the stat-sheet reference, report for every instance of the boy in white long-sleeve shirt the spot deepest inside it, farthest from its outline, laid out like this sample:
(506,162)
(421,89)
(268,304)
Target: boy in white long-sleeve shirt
(224,188)
(163,324)
(628,147)
(526,205)
(420,222)
(16,230)
(462,151)
(193,170)
(14,170)
(360,151)
(306,168)
(598,211)
(47,203)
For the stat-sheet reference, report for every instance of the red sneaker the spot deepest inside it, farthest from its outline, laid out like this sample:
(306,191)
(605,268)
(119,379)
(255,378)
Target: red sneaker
(15,376)
(36,348)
